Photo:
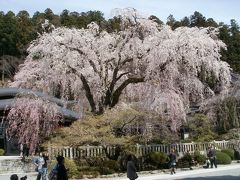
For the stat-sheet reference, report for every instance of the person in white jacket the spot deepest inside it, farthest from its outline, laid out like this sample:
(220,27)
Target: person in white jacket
(39,166)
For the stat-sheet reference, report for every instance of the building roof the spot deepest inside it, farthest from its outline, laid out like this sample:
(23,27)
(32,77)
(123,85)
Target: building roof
(6,102)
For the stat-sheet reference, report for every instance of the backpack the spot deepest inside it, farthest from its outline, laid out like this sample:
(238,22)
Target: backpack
(53,174)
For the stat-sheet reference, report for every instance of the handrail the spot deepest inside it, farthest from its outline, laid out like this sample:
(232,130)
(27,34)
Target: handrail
(138,149)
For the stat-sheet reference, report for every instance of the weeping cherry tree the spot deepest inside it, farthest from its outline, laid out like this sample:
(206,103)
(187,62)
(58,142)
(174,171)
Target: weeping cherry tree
(31,120)
(165,69)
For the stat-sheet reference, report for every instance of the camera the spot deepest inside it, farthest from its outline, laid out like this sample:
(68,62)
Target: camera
(23,178)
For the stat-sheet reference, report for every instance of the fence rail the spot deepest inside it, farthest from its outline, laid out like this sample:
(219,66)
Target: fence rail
(138,150)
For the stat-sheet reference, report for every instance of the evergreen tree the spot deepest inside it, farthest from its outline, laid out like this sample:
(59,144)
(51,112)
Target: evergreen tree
(197,19)
(9,35)
(155,19)
(25,31)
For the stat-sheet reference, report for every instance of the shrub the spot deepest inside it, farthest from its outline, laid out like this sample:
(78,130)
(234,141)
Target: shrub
(155,160)
(229,152)
(73,169)
(80,162)
(158,158)
(143,165)
(111,164)
(98,165)
(107,166)
(185,161)
(183,164)
(95,161)
(223,158)
(187,157)
(105,170)
(2,152)
(201,128)
(198,157)
(89,172)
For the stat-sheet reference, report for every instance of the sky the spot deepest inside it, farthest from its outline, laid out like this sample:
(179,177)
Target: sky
(219,10)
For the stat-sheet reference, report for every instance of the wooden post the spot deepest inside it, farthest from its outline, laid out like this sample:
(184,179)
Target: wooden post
(87,149)
(71,152)
(137,150)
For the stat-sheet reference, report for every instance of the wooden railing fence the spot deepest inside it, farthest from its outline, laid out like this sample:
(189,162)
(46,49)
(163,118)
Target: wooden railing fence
(139,150)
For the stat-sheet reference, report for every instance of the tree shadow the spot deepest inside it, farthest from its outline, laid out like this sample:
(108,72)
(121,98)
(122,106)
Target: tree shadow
(215,178)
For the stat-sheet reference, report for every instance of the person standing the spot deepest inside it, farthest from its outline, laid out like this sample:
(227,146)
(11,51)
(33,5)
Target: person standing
(45,169)
(236,154)
(131,168)
(39,163)
(61,169)
(25,150)
(172,161)
(212,156)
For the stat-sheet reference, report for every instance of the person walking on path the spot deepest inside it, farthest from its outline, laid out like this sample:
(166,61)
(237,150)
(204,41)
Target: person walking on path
(61,169)
(131,168)
(172,161)
(39,166)
(212,156)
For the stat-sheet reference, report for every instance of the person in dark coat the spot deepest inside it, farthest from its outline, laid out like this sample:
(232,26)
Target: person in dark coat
(212,156)
(61,170)
(131,168)
(25,150)
(14,177)
(44,167)
(236,154)
(172,161)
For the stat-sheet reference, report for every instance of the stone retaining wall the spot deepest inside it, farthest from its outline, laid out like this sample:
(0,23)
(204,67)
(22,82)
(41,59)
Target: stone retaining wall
(14,164)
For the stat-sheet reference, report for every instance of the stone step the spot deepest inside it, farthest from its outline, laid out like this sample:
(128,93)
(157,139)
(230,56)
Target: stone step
(15,164)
